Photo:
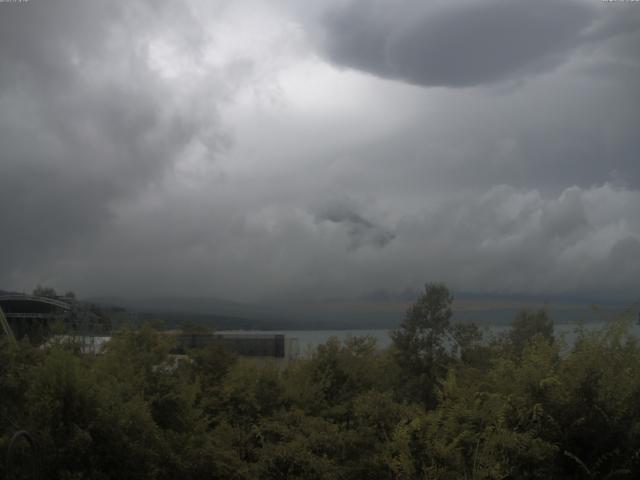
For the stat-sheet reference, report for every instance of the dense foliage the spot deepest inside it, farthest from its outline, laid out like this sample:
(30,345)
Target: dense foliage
(439,404)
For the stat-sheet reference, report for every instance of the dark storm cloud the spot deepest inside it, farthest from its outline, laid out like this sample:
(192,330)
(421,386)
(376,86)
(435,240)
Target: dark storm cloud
(360,230)
(515,240)
(456,44)
(83,120)
(117,175)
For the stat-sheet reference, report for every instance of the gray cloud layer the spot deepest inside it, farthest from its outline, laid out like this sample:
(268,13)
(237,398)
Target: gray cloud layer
(460,44)
(360,230)
(207,149)
(84,120)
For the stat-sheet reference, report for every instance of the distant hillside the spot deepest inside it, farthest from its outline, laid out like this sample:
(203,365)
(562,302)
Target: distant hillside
(215,313)
(346,314)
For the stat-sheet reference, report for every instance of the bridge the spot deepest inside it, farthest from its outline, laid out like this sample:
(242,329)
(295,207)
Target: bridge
(38,318)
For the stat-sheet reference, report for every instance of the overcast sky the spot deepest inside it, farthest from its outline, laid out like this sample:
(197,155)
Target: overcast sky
(256,150)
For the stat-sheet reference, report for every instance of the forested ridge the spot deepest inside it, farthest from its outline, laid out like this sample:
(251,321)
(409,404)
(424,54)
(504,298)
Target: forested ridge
(441,403)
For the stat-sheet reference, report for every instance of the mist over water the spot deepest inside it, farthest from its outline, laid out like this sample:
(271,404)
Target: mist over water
(308,340)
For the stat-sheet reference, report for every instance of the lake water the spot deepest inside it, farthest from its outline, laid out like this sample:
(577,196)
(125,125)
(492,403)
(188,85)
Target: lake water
(310,339)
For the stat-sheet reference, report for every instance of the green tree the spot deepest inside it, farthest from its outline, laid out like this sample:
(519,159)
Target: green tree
(467,338)
(327,383)
(528,325)
(292,445)
(194,327)
(41,291)
(419,342)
